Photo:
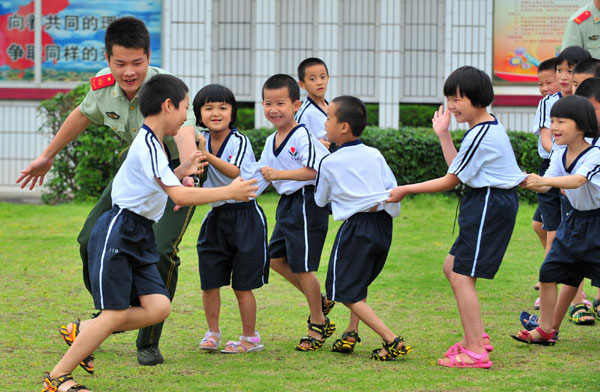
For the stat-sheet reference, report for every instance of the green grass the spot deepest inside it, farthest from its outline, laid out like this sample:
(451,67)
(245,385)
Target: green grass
(40,276)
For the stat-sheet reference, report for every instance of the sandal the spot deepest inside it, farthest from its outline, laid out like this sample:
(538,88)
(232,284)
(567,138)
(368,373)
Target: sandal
(52,384)
(326,307)
(481,361)
(392,350)
(596,308)
(69,338)
(545,339)
(578,312)
(325,330)
(344,345)
(213,338)
(238,347)
(457,348)
(529,321)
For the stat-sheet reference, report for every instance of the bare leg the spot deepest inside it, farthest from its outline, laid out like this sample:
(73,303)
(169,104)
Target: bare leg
(566,295)
(281,266)
(312,290)
(211,301)
(541,233)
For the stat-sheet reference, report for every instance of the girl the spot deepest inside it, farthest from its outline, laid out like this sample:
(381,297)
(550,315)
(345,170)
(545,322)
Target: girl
(575,251)
(486,163)
(232,245)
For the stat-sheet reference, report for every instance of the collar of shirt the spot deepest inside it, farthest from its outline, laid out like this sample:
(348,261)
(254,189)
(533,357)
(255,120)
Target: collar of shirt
(351,143)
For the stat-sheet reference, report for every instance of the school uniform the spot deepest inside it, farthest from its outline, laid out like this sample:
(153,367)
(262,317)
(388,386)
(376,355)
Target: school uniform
(357,181)
(312,117)
(122,249)
(301,226)
(575,252)
(486,163)
(232,244)
(549,203)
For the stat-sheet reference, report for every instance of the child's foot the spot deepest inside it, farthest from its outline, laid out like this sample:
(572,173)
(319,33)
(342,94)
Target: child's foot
(346,343)
(69,333)
(391,350)
(537,336)
(580,314)
(211,341)
(317,333)
(467,359)
(246,344)
(62,383)
(459,347)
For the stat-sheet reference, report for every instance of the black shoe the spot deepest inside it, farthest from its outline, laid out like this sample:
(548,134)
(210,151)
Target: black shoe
(149,356)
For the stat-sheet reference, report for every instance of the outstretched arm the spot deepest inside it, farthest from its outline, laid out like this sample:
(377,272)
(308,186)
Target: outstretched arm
(74,124)
(543,184)
(239,189)
(441,126)
(303,174)
(449,181)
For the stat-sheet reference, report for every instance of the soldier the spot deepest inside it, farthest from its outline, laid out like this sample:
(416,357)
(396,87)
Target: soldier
(583,29)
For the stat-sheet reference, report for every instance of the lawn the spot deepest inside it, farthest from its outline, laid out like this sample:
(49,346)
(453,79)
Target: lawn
(40,273)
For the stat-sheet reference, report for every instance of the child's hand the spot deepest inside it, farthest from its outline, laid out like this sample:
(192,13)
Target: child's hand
(533,181)
(269,173)
(194,164)
(326,143)
(397,194)
(242,189)
(201,140)
(187,181)
(441,121)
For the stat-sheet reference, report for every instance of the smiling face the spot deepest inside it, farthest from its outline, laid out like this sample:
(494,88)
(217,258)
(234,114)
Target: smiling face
(216,116)
(279,108)
(129,66)
(547,82)
(564,131)
(462,108)
(315,81)
(564,74)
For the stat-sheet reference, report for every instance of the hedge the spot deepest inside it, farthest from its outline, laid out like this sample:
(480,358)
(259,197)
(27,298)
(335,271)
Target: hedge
(83,169)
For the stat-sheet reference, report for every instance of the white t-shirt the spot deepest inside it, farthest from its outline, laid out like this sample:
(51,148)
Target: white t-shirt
(542,120)
(313,117)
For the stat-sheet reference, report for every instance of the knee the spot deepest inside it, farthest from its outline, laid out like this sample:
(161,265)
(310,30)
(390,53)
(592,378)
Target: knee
(163,308)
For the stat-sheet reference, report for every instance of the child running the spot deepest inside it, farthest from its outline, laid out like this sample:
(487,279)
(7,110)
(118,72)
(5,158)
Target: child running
(232,245)
(126,285)
(356,180)
(575,251)
(486,163)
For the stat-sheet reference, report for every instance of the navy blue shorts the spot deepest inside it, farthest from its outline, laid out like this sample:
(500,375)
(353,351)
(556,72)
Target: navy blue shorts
(122,260)
(537,215)
(300,230)
(575,252)
(232,246)
(486,220)
(358,255)
(549,204)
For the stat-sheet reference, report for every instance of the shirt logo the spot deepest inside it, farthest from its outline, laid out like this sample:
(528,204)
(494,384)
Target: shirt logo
(113,115)
(229,159)
(293,152)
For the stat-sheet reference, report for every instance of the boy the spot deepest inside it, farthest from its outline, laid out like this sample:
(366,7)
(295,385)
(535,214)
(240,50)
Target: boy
(588,68)
(313,76)
(126,285)
(356,180)
(113,101)
(289,162)
(486,163)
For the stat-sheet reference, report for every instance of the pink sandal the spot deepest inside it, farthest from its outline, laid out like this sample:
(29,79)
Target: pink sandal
(457,348)
(481,361)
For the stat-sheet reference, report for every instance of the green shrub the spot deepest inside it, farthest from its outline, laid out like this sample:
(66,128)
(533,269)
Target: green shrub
(245,118)
(85,166)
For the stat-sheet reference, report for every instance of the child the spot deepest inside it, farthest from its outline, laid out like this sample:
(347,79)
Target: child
(588,68)
(313,76)
(549,204)
(575,251)
(126,285)
(356,180)
(288,161)
(487,164)
(548,85)
(232,244)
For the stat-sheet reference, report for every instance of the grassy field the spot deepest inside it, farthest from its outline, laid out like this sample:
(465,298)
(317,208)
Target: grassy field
(40,276)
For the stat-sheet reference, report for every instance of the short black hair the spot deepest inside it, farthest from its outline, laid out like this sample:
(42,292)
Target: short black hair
(280,81)
(572,55)
(128,32)
(309,62)
(589,66)
(214,93)
(353,111)
(578,109)
(157,90)
(548,65)
(589,88)
(472,83)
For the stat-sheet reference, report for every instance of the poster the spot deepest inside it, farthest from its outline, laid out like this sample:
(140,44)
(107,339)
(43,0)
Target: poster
(72,36)
(526,32)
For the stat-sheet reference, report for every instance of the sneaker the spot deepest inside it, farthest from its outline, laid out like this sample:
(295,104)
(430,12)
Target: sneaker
(149,356)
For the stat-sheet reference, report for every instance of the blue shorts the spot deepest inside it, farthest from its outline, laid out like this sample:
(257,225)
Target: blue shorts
(232,246)
(122,260)
(575,252)
(537,215)
(358,255)
(486,220)
(300,230)
(549,204)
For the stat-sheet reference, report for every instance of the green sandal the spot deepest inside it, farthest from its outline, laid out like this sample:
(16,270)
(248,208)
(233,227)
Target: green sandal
(578,312)
(52,384)
(344,345)
(325,330)
(69,338)
(392,350)
(596,308)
